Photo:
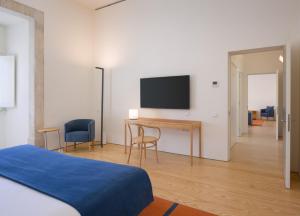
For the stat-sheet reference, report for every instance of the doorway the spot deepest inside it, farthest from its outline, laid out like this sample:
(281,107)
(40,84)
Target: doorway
(36,91)
(16,77)
(258,108)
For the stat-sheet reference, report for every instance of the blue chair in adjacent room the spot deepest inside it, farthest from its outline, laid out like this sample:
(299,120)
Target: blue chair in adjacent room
(269,112)
(250,118)
(80,131)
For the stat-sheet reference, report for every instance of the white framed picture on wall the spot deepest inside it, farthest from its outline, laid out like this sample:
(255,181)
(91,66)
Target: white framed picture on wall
(7,82)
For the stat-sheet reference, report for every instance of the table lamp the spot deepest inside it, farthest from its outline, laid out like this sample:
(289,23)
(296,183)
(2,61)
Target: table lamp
(133,114)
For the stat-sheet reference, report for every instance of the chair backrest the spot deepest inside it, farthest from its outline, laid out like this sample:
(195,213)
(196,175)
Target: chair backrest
(135,129)
(78,125)
(270,110)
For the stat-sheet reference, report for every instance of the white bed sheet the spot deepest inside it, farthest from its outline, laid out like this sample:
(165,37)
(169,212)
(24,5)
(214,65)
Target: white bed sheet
(18,200)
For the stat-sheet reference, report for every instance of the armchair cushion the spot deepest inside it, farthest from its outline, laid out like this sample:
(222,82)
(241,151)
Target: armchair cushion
(78,136)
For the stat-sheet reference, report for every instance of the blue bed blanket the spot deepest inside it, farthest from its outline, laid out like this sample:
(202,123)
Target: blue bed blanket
(94,188)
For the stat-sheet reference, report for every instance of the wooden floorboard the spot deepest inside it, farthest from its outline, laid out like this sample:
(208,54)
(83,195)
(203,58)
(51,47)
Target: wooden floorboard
(250,184)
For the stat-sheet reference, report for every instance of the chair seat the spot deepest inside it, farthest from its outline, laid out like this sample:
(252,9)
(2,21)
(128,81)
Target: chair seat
(78,136)
(147,139)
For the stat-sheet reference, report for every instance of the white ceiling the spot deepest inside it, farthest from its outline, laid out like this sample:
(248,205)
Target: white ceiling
(93,4)
(260,62)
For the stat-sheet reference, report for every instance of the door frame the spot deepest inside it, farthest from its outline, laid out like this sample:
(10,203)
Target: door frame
(286,67)
(239,112)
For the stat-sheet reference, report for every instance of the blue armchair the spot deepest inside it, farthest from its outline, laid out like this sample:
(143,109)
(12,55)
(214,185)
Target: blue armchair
(250,118)
(80,131)
(268,112)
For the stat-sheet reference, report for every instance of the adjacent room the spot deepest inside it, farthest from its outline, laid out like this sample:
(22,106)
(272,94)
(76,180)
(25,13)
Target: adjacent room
(257,109)
(257,92)
(149,108)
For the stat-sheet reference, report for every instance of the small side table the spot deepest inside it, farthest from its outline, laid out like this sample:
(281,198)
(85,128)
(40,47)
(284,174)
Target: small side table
(44,131)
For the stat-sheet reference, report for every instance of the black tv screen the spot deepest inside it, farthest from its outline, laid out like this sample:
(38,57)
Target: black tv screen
(165,92)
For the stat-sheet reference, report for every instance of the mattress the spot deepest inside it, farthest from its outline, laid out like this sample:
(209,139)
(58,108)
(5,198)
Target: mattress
(19,200)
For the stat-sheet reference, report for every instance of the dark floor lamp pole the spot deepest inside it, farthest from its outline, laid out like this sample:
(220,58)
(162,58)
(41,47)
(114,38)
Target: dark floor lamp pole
(102,101)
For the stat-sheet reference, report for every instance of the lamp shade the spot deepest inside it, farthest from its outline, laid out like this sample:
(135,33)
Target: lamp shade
(281,59)
(133,114)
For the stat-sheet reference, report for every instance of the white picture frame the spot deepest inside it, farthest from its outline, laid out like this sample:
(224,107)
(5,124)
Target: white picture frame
(7,82)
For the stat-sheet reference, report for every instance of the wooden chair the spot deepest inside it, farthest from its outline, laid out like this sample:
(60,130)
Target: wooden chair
(142,141)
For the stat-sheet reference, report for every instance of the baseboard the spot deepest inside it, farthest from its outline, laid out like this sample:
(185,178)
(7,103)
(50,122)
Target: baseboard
(162,151)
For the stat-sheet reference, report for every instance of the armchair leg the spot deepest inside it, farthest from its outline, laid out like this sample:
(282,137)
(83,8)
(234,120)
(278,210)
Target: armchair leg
(75,145)
(90,146)
(66,147)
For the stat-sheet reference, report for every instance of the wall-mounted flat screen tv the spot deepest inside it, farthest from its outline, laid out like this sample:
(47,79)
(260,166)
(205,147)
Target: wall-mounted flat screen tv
(165,92)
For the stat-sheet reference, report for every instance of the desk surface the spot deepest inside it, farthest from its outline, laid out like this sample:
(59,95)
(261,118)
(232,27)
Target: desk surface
(168,122)
(46,130)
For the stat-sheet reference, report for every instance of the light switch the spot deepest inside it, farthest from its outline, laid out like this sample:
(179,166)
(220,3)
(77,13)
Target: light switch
(215,84)
(215,115)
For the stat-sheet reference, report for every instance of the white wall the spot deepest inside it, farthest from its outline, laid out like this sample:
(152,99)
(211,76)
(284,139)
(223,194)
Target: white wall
(145,38)
(244,103)
(2,51)
(2,39)
(262,91)
(295,67)
(295,139)
(263,62)
(68,61)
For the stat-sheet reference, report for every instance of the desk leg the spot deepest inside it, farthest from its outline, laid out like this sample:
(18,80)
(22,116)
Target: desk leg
(200,143)
(125,138)
(192,145)
(45,140)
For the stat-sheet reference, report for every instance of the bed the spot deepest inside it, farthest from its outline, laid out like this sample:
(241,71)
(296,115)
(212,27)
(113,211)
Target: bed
(35,181)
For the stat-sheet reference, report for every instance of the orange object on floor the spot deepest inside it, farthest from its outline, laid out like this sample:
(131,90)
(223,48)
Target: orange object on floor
(161,207)
(257,122)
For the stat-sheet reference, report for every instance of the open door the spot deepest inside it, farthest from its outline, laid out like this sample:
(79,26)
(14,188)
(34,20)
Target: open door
(239,107)
(287,118)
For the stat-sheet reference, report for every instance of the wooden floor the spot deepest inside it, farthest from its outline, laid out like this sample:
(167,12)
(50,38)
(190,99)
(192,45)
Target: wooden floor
(251,184)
